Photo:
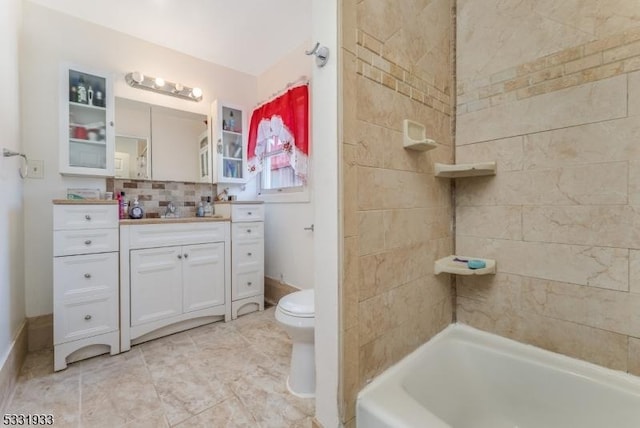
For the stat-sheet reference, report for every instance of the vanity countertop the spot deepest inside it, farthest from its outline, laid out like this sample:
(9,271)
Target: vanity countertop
(84,202)
(160,220)
(238,202)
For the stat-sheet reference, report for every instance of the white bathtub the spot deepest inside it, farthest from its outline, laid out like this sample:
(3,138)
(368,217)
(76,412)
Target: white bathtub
(466,378)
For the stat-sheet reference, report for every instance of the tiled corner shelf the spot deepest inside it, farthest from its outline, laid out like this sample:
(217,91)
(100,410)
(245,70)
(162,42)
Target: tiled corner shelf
(465,169)
(448,265)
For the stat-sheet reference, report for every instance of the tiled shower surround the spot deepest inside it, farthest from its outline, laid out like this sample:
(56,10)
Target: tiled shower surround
(551,92)
(548,90)
(156,195)
(397,216)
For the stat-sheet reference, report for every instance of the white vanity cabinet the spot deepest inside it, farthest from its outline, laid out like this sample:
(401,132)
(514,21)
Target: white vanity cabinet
(85,279)
(247,255)
(174,276)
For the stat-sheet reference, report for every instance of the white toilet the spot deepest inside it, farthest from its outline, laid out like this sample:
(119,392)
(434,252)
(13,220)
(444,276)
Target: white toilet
(296,313)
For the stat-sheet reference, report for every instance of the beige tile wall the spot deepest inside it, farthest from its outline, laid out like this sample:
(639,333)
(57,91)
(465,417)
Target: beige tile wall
(397,65)
(562,216)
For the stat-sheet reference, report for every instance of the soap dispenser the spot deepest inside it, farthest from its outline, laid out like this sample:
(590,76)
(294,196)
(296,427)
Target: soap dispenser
(136,211)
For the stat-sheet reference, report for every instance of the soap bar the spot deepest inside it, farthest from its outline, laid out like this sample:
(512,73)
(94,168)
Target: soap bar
(476,264)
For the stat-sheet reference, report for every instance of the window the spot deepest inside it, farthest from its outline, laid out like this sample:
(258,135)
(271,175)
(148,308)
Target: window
(277,174)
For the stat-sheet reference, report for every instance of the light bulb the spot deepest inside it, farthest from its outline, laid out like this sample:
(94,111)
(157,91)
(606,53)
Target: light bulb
(159,82)
(137,77)
(196,92)
(178,87)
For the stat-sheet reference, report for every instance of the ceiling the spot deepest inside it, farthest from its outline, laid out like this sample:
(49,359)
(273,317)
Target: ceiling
(245,35)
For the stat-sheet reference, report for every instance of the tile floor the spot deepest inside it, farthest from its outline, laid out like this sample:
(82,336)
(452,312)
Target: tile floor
(219,375)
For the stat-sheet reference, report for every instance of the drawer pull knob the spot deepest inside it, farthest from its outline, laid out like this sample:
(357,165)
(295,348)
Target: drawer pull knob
(249,283)
(249,254)
(248,230)
(87,242)
(249,213)
(186,256)
(87,317)
(87,275)
(87,216)
(179,256)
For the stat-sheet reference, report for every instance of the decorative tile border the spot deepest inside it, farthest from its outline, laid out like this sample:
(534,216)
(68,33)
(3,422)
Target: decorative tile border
(372,64)
(574,66)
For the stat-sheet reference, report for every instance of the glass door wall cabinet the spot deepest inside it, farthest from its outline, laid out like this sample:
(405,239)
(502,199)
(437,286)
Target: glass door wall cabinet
(87,145)
(230,137)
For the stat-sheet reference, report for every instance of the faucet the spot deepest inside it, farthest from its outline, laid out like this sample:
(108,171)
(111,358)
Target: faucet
(171,210)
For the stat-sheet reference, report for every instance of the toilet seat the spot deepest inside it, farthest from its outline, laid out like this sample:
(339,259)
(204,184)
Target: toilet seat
(299,304)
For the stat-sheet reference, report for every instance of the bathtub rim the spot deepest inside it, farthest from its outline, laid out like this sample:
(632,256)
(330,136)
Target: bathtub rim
(388,387)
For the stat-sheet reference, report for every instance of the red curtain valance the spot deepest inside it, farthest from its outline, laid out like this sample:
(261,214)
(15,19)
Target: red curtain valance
(286,118)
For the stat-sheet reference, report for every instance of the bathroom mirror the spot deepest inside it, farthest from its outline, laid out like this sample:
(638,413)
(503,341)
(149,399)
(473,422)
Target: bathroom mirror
(173,140)
(132,158)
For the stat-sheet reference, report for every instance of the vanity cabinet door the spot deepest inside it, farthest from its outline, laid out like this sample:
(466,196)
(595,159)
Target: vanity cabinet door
(156,284)
(87,143)
(229,132)
(203,276)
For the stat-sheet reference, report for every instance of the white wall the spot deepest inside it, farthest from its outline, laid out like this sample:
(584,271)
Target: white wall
(12,307)
(327,258)
(289,248)
(49,38)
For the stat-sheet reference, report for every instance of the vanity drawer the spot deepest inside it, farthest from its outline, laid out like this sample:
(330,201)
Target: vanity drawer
(85,216)
(85,275)
(163,235)
(85,317)
(247,212)
(71,242)
(247,284)
(247,231)
(247,251)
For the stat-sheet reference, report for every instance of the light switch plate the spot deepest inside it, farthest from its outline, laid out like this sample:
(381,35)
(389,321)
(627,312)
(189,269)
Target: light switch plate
(36,169)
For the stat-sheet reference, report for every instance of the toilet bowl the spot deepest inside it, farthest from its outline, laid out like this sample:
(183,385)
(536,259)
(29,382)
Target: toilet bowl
(296,314)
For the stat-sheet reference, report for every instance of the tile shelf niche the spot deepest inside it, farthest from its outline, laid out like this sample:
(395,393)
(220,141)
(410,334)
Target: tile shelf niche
(414,137)
(448,265)
(465,170)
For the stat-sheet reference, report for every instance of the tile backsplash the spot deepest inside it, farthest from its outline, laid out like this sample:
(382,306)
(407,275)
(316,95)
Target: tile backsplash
(156,195)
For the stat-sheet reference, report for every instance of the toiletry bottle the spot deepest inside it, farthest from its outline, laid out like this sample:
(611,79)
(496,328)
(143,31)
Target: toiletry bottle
(208,208)
(232,122)
(121,206)
(98,101)
(200,210)
(81,91)
(119,199)
(90,95)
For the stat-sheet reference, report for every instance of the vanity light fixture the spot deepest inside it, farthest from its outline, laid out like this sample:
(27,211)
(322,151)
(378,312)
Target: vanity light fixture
(157,84)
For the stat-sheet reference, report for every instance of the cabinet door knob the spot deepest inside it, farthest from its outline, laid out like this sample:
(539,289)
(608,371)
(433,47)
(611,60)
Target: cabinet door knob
(87,317)
(249,254)
(249,213)
(249,283)
(179,256)
(248,230)
(87,275)
(87,217)
(186,256)
(87,242)
(111,123)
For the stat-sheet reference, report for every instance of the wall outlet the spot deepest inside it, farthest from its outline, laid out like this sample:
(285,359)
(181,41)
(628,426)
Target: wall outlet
(36,169)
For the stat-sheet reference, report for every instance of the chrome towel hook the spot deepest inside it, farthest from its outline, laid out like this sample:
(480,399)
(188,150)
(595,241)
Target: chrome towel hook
(9,153)
(321,53)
